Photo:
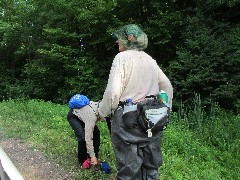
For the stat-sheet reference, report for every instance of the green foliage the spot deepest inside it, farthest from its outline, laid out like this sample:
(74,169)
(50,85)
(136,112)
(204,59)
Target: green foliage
(237,106)
(216,128)
(209,121)
(66,63)
(83,77)
(186,157)
(203,65)
(163,29)
(52,49)
(212,153)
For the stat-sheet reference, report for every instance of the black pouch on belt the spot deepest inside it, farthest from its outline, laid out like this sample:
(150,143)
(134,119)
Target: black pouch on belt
(130,119)
(153,115)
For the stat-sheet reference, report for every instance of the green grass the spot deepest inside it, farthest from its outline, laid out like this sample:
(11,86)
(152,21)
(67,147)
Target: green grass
(212,153)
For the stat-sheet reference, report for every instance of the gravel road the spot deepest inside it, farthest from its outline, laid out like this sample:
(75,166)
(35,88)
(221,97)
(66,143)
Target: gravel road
(31,163)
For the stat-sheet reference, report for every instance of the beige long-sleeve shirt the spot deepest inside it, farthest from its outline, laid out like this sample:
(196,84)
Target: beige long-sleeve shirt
(88,114)
(134,74)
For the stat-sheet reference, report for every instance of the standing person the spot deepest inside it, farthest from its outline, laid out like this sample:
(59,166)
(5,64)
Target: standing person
(134,74)
(83,122)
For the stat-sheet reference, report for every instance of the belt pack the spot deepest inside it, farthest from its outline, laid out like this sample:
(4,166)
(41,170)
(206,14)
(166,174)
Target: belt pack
(151,116)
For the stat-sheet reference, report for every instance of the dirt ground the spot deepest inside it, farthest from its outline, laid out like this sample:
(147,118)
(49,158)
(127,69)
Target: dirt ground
(31,163)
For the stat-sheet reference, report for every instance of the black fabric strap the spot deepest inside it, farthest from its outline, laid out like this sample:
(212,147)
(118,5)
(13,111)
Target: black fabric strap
(151,96)
(147,97)
(96,113)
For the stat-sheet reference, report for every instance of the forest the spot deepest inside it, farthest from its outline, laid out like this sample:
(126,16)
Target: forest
(50,50)
(53,49)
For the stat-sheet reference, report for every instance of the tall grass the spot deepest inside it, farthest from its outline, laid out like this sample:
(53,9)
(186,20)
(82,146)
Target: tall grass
(198,144)
(214,128)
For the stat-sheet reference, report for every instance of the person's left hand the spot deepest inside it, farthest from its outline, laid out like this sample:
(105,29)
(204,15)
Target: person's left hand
(94,161)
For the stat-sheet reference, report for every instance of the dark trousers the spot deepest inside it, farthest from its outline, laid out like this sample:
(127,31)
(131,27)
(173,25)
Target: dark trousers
(138,157)
(79,128)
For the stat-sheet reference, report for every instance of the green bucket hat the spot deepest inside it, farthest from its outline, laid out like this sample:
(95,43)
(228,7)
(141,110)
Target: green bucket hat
(140,40)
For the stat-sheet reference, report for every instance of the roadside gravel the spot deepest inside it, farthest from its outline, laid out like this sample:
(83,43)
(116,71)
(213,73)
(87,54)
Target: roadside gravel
(31,163)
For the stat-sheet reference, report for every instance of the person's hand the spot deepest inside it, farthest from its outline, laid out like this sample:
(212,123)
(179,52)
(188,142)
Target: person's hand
(100,115)
(94,161)
(102,119)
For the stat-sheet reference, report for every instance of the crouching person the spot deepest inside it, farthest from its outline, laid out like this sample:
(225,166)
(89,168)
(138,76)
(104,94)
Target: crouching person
(82,117)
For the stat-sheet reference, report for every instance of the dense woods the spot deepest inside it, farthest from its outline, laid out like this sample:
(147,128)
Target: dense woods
(51,50)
